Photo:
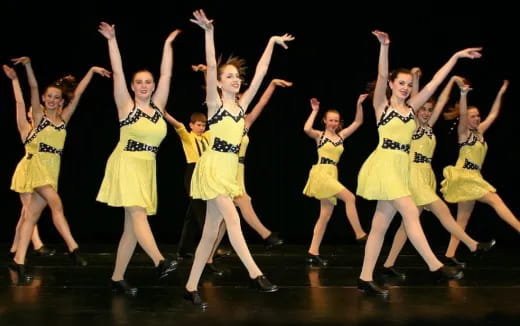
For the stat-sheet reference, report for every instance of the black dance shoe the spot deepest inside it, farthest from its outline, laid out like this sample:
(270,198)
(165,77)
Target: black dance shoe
(44,251)
(78,258)
(391,272)
(483,247)
(370,287)
(316,260)
(19,269)
(449,273)
(165,266)
(195,298)
(123,287)
(222,253)
(214,269)
(273,241)
(454,262)
(262,284)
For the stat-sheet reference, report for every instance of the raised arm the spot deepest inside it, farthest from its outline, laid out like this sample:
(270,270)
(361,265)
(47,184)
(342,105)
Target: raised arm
(358,120)
(264,99)
(443,98)
(261,68)
(213,100)
(171,120)
(24,127)
(418,100)
(462,128)
(37,112)
(416,75)
(379,100)
(122,97)
(307,127)
(160,96)
(69,110)
(495,109)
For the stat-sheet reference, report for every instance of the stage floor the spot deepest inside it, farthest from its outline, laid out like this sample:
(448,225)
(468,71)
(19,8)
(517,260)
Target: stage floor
(63,294)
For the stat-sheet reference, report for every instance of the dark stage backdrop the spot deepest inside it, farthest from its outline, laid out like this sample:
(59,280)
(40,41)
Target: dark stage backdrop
(333,57)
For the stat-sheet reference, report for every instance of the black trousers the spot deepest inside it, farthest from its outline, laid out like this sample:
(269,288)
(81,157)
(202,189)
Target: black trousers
(194,218)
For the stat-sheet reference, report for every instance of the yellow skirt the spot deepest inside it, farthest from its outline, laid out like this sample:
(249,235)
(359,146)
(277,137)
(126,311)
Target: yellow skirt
(36,170)
(130,180)
(423,184)
(461,184)
(323,183)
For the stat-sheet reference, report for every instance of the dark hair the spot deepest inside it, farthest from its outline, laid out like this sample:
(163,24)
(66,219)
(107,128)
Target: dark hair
(237,62)
(198,116)
(67,84)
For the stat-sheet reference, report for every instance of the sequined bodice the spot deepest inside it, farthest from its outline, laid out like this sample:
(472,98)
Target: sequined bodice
(48,134)
(329,149)
(142,128)
(226,127)
(395,126)
(423,144)
(472,150)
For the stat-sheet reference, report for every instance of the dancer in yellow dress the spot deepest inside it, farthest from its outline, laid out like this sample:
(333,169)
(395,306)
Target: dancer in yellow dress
(463,183)
(38,173)
(423,184)
(215,175)
(323,183)
(130,174)
(384,175)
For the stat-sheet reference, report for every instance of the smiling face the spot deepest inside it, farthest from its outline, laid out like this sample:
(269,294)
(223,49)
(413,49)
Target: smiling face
(401,85)
(473,116)
(52,98)
(229,79)
(425,112)
(143,84)
(331,120)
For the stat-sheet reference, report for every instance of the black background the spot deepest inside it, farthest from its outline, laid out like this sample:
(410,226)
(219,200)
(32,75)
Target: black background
(333,57)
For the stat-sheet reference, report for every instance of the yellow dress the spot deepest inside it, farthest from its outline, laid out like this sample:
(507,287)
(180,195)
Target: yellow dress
(41,163)
(464,182)
(322,182)
(130,174)
(385,173)
(423,184)
(216,171)
(241,160)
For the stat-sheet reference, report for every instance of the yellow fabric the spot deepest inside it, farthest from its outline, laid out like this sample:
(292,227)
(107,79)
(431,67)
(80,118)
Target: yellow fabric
(130,176)
(462,184)
(385,173)
(423,184)
(322,182)
(216,172)
(189,143)
(241,167)
(38,169)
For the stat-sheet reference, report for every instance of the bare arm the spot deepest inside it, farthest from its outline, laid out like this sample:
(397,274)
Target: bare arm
(171,120)
(443,98)
(416,74)
(358,120)
(69,110)
(495,109)
(379,100)
(462,128)
(213,100)
(261,68)
(37,112)
(266,96)
(307,127)
(24,127)
(418,100)
(122,97)
(160,96)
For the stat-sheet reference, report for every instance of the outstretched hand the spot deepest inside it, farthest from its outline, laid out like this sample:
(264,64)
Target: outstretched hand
(504,87)
(315,104)
(173,35)
(382,37)
(465,88)
(281,83)
(199,67)
(282,39)
(10,72)
(361,98)
(107,30)
(201,20)
(22,60)
(472,53)
(101,71)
